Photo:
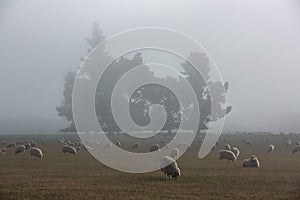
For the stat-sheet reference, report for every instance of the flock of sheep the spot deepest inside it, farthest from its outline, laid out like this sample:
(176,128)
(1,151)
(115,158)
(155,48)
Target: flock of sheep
(168,164)
(21,148)
(228,153)
(231,154)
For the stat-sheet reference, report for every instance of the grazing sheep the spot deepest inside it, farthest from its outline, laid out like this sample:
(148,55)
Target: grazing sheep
(296,148)
(298,143)
(20,149)
(252,162)
(227,147)
(154,147)
(135,146)
(236,151)
(174,153)
(11,145)
(36,152)
(169,166)
(271,148)
(69,149)
(227,155)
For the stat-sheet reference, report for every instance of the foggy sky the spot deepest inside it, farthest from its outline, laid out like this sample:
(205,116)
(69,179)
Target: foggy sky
(255,44)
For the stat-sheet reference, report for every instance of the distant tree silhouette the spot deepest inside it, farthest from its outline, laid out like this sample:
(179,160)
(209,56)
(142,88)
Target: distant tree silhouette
(65,109)
(147,95)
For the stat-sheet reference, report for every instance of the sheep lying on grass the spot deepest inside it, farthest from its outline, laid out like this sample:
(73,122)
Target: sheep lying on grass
(251,162)
(69,149)
(169,167)
(36,152)
(227,155)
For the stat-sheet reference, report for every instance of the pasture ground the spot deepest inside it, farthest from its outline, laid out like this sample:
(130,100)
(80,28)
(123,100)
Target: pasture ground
(59,176)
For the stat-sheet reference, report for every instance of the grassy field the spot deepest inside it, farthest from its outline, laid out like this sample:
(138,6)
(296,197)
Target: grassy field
(59,176)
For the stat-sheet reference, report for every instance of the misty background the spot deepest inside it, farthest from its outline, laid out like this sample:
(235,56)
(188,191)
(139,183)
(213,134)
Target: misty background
(255,44)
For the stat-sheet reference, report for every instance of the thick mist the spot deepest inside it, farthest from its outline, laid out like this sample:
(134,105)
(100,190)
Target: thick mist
(255,44)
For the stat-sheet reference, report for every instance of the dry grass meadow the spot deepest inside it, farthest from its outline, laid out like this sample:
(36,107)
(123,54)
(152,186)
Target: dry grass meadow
(59,176)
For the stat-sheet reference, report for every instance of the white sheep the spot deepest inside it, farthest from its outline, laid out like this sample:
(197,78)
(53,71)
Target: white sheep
(227,155)
(154,147)
(36,152)
(227,147)
(68,149)
(251,162)
(135,146)
(236,151)
(169,166)
(20,149)
(174,153)
(271,148)
(296,148)
(298,143)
